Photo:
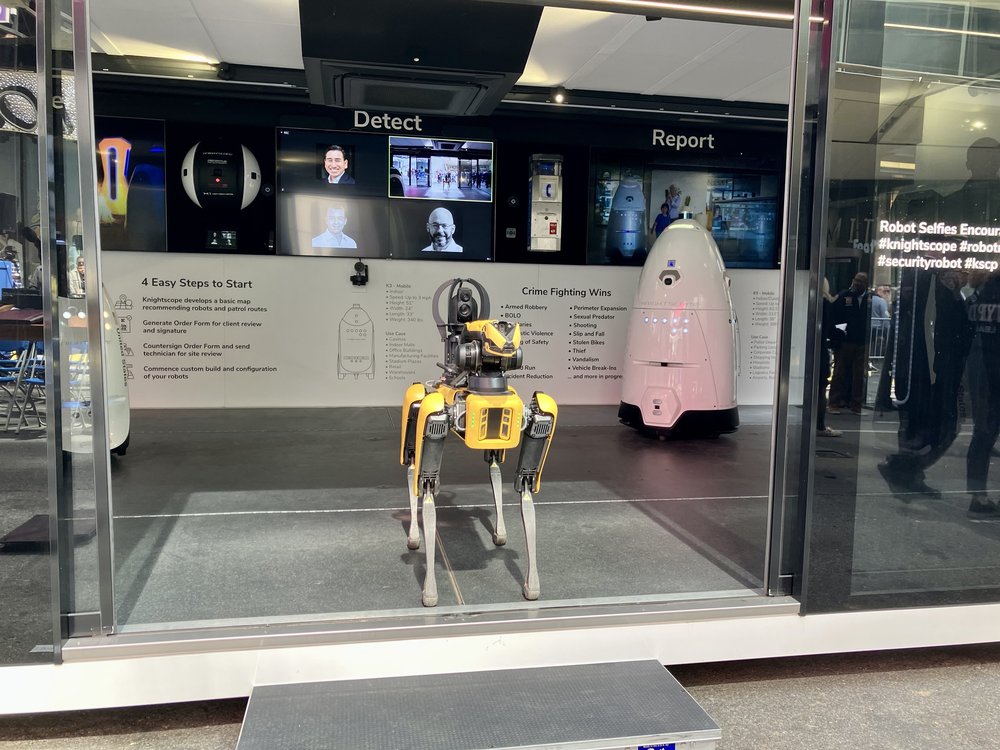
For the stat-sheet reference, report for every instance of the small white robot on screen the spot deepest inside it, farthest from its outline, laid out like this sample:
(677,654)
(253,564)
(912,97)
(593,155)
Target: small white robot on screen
(473,400)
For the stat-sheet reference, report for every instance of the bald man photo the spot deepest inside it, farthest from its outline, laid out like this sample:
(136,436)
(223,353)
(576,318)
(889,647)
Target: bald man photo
(441,228)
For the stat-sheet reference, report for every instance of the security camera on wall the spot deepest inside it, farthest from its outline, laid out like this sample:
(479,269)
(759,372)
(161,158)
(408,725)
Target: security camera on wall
(220,176)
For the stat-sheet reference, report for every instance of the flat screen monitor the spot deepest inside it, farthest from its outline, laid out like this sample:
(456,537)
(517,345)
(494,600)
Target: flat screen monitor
(439,169)
(440,230)
(332,188)
(131,186)
(331,162)
(739,209)
(633,201)
(338,225)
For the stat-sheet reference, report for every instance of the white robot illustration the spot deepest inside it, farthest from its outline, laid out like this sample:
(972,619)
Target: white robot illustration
(627,222)
(680,358)
(356,339)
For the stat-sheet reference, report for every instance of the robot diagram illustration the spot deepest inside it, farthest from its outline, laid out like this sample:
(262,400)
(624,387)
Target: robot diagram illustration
(356,344)
(472,400)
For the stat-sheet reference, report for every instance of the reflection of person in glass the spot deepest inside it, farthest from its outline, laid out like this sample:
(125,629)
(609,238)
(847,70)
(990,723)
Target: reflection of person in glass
(335,163)
(336,220)
(851,312)
(672,198)
(977,203)
(926,352)
(441,228)
(78,279)
(829,335)
(984,383)
(662,220)
(978,200)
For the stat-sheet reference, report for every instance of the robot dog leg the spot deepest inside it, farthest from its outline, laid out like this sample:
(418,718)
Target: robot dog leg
(429,432)
(539,426)
(408,450)
(495,458)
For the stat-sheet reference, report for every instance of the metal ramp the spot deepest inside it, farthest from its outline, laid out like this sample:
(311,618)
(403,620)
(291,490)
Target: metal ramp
(634,705)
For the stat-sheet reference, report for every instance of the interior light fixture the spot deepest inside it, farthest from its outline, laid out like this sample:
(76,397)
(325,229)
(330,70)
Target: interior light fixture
(707,9)
(559,95)
(907,165)
(941,30)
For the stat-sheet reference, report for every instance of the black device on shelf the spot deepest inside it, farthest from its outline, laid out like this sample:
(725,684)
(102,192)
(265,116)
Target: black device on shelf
(25,299)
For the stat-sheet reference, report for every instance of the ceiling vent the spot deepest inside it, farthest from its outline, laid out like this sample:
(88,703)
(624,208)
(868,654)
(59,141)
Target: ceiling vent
(438,57)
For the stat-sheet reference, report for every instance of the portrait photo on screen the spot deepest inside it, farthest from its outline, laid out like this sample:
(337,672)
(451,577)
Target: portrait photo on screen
(331,161)
(131,189)
(336,225)
(436,169)
(428,230)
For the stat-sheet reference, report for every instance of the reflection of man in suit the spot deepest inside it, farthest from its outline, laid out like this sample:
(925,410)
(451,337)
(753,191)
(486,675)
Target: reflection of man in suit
(984,384)
(977,202)
(441,228)
(336,220)
(335,163)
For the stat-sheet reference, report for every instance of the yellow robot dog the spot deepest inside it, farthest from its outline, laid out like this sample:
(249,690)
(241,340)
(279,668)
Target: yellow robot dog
(473,400)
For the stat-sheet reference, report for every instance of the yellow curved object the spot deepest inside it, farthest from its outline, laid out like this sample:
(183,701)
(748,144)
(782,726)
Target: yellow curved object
(494,341)
(413,394)
(493,421)
(547,405)
(432,404)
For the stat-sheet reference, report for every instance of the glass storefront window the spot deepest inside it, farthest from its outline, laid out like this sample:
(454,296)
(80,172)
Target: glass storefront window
(904,505)
(273,501)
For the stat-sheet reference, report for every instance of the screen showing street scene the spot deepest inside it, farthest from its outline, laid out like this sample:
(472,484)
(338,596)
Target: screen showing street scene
(436,169)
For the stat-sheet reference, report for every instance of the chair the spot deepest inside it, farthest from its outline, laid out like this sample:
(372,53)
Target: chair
(23,381)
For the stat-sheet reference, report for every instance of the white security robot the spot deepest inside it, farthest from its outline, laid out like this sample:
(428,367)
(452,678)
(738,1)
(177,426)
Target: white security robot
(627,222)
(680,359)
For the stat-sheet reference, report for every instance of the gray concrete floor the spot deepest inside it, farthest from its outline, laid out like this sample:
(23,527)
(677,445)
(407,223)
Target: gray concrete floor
(943,697)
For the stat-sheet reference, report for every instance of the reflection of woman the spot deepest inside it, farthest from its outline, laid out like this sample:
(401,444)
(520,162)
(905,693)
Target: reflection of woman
(672,199)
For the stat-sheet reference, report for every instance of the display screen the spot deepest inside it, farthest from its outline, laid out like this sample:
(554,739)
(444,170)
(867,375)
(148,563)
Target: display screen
(440,170)
(633,199)
(334,225)
(314,161)
(445,230)
(366,214)
(131,191)
(332,188)
(221,239)
(740,210)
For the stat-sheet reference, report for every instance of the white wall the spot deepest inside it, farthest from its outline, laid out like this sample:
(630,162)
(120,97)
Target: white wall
(246,331)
